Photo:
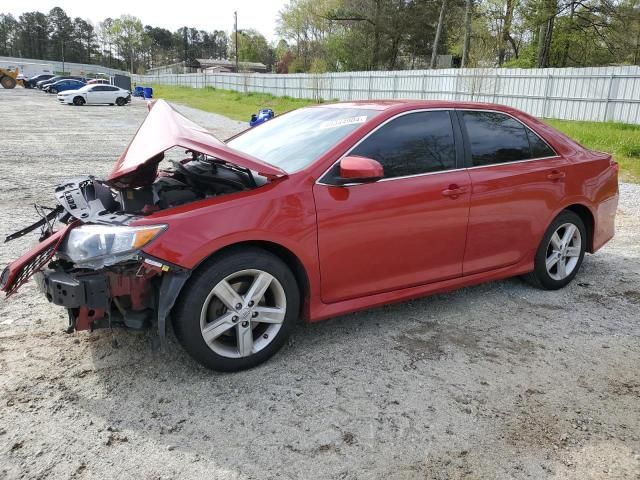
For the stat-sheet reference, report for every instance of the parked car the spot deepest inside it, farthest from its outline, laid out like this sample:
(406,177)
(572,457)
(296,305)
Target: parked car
(31,82)
(98,81)
(96,94)
(318,212)
(64,85)
(43,83)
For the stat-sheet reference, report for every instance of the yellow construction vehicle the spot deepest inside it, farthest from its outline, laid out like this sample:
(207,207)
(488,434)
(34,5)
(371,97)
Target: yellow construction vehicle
(9,78)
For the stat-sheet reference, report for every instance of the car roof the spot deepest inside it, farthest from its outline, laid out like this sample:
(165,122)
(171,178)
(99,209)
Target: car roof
(409,104)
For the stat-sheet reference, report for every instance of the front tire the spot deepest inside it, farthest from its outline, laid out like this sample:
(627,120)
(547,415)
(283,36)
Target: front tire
(560,253)
(78,101)
(120,101)
(53,90)
(238,310)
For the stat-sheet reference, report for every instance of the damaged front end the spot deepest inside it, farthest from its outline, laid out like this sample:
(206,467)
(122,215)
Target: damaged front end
(93,263)
(91,258)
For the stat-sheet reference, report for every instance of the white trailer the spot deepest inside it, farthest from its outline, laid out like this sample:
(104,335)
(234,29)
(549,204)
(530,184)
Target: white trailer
(27,69)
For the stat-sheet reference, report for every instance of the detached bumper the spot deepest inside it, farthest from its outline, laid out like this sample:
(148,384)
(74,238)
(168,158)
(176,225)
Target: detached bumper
(19,271)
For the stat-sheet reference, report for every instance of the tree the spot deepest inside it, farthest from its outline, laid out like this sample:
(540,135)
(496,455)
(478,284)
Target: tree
(9,31)
(468,13)
(436,41)
(128,33)
(253,47)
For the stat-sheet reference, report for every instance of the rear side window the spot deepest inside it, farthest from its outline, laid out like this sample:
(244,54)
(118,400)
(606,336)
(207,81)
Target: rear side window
(498,138)
(495,138)
(109,89)
(412,144)
(539,148)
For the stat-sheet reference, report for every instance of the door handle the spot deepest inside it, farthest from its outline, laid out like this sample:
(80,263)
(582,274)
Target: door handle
(556,175)
(453,191)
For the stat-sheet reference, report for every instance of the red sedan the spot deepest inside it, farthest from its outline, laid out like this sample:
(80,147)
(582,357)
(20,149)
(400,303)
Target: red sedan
(318,212)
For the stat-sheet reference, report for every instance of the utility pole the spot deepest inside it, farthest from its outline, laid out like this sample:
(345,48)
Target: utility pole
(235,16)
(63,56)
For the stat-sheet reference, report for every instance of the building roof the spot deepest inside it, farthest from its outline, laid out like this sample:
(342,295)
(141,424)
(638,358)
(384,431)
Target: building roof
(222,62)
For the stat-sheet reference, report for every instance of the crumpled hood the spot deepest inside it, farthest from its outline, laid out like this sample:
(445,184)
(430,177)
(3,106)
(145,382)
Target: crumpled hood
(165,128)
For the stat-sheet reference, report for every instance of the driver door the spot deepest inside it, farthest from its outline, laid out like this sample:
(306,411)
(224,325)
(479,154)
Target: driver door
(406,229)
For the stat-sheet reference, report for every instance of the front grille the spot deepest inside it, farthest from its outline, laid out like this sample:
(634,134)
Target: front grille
(36,264)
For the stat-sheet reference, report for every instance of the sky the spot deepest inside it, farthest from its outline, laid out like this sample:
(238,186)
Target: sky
(203,15)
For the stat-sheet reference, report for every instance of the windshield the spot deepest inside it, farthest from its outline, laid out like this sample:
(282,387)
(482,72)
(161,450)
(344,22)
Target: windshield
(297,139)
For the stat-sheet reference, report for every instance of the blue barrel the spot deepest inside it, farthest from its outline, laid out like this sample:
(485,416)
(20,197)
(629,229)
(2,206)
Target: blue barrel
(138,92)
(262,116)
(148,92)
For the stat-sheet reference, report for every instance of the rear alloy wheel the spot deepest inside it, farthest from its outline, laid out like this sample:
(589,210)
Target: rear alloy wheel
(238,311)
(561,252)
(79,101)
(120,101)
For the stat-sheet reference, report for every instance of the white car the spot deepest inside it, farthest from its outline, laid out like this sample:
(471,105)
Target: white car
(96,94)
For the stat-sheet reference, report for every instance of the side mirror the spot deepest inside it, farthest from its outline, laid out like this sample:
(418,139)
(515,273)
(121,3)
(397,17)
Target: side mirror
(360,170)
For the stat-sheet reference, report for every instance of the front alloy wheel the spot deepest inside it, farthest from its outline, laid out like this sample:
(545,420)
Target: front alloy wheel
(243,313)
(237,310)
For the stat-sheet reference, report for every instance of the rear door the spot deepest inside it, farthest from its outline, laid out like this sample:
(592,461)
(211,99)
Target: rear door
(517,183)
(95,94)
(110,93)
(404,230)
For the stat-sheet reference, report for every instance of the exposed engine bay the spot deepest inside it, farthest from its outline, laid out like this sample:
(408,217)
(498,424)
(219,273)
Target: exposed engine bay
(189,180)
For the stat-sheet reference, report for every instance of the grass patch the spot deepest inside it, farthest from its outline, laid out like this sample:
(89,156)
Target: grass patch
(620,139)
(236,105)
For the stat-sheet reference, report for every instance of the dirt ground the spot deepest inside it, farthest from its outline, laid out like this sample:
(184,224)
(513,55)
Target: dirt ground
(499,381)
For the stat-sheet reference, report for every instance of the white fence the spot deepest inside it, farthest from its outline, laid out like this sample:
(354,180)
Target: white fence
(80,68)
(599,93)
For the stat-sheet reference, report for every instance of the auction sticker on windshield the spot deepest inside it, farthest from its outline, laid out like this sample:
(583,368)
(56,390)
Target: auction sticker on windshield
(342,122)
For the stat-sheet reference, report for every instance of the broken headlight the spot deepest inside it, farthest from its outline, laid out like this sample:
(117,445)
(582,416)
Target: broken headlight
(97,246)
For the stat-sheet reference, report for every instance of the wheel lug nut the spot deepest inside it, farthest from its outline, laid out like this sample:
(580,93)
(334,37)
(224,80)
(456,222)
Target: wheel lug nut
(238,306)
(234,319)
(265,336)
(255,314)
(251,303)
(245,324)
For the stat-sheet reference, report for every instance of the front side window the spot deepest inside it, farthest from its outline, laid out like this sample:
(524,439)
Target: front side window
(412,144)
(498,138)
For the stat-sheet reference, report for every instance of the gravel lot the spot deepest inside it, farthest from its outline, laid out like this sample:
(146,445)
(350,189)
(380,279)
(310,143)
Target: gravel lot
(498,381)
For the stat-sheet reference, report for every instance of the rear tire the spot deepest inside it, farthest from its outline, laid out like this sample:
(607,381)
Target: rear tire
(8,82)
(79,101)
(560,253)
(238,310)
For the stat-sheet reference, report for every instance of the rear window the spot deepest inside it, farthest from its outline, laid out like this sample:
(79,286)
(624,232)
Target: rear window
(295,140)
